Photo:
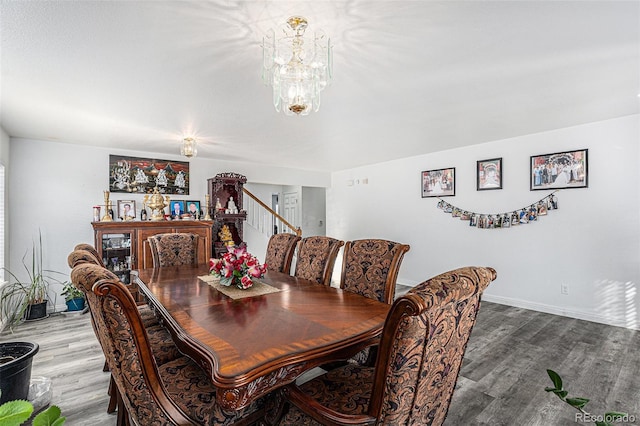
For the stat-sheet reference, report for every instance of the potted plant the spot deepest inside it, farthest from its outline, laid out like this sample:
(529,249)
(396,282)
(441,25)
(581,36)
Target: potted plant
(26,299)
(74,297)
(18,412)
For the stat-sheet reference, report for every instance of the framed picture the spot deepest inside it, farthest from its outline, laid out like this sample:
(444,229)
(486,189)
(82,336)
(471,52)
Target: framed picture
(177,208)
(193,208)
(126,209)
(439,183)
(489,174)
(559,170)
(143,175)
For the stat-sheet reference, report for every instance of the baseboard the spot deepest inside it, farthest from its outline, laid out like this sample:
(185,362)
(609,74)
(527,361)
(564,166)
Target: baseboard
(551,309)
(558,310)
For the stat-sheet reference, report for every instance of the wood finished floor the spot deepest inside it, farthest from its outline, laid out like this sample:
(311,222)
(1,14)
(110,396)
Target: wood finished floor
(502,380)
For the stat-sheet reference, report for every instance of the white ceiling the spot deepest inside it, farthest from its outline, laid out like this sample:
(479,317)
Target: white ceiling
(410,77)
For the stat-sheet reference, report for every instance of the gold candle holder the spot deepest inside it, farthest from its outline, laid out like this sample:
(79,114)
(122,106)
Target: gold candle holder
(107,207)
(207,216)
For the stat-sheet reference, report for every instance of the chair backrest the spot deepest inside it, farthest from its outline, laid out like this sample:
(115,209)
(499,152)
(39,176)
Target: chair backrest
(422,346)
(91,249)
(316,257)
(280,252)
(126,345)
(370,268)
(78,256)
(174,249)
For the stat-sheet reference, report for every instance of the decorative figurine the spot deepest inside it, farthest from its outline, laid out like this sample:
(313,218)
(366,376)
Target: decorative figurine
(226,237)
(231,207)
(156,203)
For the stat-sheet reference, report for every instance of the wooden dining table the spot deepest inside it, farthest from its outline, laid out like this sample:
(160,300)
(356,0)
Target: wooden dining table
(255,344)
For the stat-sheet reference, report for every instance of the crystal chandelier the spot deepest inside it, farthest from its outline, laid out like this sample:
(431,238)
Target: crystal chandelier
(188,148)
(298,67)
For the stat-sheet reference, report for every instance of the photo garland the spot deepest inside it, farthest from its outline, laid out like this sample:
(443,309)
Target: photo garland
(520,216)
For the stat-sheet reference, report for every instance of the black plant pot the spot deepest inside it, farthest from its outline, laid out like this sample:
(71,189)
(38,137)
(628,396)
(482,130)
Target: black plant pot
(15,369)
(36,311)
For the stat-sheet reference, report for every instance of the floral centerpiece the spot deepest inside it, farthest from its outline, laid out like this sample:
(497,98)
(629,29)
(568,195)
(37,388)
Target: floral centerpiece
(237,267)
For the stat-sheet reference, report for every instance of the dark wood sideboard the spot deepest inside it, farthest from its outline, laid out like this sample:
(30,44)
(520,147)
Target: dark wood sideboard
(123,245)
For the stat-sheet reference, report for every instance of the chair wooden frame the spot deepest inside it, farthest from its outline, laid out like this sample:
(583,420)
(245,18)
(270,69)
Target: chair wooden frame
(274,258)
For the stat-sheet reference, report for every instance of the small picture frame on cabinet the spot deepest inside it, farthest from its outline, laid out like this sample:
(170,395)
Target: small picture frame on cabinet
(193,209)
(126,210)
(177,209)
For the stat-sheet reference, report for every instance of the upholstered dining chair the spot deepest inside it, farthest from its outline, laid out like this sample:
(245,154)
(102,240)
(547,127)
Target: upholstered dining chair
(421,350)
(316,258)
(280,252)
(174,249)
(177,392)
(163,347)
(370,268)
(133,288)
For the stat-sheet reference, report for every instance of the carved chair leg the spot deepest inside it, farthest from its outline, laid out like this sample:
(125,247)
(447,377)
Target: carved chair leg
(113,396)
(274,407)
(122,418)
(373,355)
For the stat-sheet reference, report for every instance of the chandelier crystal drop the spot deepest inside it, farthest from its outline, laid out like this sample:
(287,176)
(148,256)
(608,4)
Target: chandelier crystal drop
(188,148)
(297,66)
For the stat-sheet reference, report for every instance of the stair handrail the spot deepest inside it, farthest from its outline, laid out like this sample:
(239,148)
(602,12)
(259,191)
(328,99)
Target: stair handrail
(297,231)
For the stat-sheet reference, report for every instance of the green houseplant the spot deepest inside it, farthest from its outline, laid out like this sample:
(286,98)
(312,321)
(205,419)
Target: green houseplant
(21,297)
(15,413)
(73,297)
(607,419)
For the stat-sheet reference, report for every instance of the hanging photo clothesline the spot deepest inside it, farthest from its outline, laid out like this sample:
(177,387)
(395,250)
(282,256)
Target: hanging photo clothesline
(520,216)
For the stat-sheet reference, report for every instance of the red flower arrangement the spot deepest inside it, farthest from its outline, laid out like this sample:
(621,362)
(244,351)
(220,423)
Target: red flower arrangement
(237,267)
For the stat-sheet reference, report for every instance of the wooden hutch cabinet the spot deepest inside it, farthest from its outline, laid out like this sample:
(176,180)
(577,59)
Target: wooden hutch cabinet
(222,188)
(123,246)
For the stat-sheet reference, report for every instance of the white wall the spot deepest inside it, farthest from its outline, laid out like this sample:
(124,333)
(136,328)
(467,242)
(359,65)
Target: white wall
(53,187)
(4,160)
(313,217)
(591,244)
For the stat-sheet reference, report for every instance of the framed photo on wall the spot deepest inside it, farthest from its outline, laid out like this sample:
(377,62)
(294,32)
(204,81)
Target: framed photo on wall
(489,174)
(439,183)
(193,208)
(560,170)
(126,209)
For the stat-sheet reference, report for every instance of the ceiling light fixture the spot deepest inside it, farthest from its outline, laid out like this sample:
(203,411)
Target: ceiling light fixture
(297,67)
(188,148)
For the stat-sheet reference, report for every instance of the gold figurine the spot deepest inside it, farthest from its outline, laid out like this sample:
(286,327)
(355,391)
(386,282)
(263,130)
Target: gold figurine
(226,237)
(156,203)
